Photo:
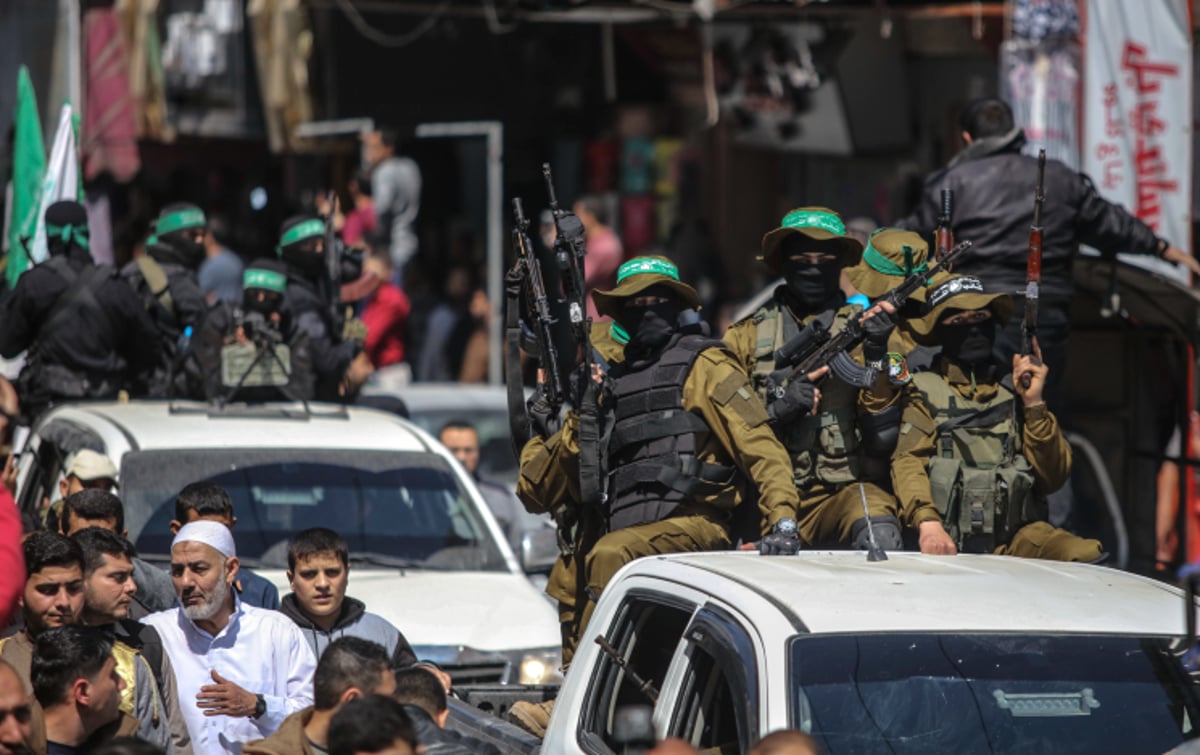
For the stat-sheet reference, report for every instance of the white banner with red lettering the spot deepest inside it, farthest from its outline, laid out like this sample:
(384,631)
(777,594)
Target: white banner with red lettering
(1137,143)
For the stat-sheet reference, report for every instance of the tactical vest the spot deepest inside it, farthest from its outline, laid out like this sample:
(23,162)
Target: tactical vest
(652,461)
(824,448)
(982,484)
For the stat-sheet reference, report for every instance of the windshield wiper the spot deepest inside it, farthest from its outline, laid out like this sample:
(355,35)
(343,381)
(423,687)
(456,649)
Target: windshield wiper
(382,559)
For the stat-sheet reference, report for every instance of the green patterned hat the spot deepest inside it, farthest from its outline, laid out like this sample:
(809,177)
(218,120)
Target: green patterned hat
(818,224)
(639,274)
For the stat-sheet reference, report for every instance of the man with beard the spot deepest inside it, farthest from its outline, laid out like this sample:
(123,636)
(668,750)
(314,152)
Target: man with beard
(165,280)
(16,713)
(340,364)
(839,437)
(150,694)
(53,597)
(240,670)
(689,443)
(976,441)
(76,683)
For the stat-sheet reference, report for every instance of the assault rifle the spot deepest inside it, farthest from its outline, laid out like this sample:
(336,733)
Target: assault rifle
(815,347)
(569,250)
(1033,267)
(944,234)
(543,320)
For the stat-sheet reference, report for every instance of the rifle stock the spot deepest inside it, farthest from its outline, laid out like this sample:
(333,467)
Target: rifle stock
(1033,268)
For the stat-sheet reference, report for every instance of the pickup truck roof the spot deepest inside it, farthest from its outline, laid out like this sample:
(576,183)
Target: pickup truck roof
(149,425)
(912,592)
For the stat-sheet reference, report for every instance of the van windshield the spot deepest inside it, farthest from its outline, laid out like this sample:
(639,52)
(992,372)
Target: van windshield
(393,508)
(1028,694)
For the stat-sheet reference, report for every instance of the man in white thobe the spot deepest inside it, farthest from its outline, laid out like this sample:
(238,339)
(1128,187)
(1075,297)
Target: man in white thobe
(240,670)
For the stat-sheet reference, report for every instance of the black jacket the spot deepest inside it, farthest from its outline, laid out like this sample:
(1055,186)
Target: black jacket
(331,356)
(188,300)
(993,188)
(103,334)
(438,741)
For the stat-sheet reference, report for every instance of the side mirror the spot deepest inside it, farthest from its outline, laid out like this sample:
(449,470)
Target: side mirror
(539,550)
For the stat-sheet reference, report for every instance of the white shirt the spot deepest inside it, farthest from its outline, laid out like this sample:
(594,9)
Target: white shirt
(261,651)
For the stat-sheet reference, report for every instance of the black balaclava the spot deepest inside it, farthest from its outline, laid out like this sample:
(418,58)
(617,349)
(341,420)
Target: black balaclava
(298,252)
(812,286)
(649,328)
(266,275)
(66,227)
(970,343)
(185,250)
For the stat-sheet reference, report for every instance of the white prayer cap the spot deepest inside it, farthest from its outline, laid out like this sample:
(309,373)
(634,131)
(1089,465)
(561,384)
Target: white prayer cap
(213,534)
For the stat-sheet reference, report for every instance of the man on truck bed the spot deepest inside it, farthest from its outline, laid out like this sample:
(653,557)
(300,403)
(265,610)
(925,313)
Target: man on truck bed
(687,436)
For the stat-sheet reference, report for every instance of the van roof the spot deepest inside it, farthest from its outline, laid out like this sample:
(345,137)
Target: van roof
(842,591)
(152,425)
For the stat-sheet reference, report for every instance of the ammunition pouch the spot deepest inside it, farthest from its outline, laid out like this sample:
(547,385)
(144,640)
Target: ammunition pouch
(984,508)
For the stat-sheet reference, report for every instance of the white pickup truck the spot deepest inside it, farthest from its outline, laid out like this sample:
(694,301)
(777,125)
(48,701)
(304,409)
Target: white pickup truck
(915,654)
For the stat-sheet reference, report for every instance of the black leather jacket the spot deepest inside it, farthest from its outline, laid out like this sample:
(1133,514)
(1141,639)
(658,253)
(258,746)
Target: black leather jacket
(993,186)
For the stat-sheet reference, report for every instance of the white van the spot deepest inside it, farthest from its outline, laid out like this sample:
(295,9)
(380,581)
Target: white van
(425,552)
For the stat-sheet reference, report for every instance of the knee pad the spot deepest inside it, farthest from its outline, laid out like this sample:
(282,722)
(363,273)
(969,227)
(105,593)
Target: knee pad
(887,533)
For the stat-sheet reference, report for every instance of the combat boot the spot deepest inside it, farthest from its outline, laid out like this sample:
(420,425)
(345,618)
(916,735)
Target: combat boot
(532,717)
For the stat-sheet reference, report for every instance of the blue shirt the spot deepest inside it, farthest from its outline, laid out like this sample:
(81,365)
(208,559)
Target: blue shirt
(222,275)
(257,591)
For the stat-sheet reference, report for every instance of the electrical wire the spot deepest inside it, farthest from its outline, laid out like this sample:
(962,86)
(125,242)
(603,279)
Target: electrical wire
(387,40)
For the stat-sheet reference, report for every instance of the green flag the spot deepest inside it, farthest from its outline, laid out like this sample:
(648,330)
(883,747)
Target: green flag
(29,168)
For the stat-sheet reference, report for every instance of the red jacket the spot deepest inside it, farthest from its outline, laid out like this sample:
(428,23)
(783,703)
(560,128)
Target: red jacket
(385,315)
(12,555)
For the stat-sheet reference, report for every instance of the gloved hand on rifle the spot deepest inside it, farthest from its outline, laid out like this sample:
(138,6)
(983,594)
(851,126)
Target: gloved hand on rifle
(784,540)
(541,414)
(800,398)
(877,324)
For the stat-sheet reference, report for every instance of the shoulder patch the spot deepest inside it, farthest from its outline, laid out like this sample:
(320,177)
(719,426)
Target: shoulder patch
(898,369)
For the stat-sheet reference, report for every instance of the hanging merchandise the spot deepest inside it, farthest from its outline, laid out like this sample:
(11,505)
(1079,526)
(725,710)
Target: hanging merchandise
(1137,144)
(637,166)
(1039,77)
(603,156)
(109,125)
(637,224)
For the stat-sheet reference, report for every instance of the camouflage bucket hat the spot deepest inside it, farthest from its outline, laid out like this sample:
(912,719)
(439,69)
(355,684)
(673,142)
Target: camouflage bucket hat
(818,224)
(639,274)
(891,255)
(958,292)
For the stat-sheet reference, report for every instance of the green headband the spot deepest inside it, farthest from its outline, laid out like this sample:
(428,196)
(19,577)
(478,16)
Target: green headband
(645,266)
(302,231)
(619,334)
(178,221)
(268,280)
(798,219)
(881,264)
(70,234)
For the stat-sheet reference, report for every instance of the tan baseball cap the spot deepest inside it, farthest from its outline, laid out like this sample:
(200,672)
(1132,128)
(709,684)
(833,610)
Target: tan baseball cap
(87,465)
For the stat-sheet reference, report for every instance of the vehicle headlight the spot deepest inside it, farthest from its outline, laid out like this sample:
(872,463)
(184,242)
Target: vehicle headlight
(540,667)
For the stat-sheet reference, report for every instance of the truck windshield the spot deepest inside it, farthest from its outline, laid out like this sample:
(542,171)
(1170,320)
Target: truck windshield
(393,508)
(922,693)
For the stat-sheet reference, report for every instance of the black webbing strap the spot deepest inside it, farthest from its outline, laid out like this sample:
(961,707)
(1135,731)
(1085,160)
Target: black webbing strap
(670,423)
(518,419)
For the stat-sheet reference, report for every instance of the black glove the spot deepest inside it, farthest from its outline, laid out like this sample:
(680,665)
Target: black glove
(351,263)
(541,414)
(798,400)
(784,540)
(875,345)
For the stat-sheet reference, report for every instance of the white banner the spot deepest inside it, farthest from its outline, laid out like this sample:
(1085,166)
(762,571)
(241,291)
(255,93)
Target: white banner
(1137,144)
(62,178)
